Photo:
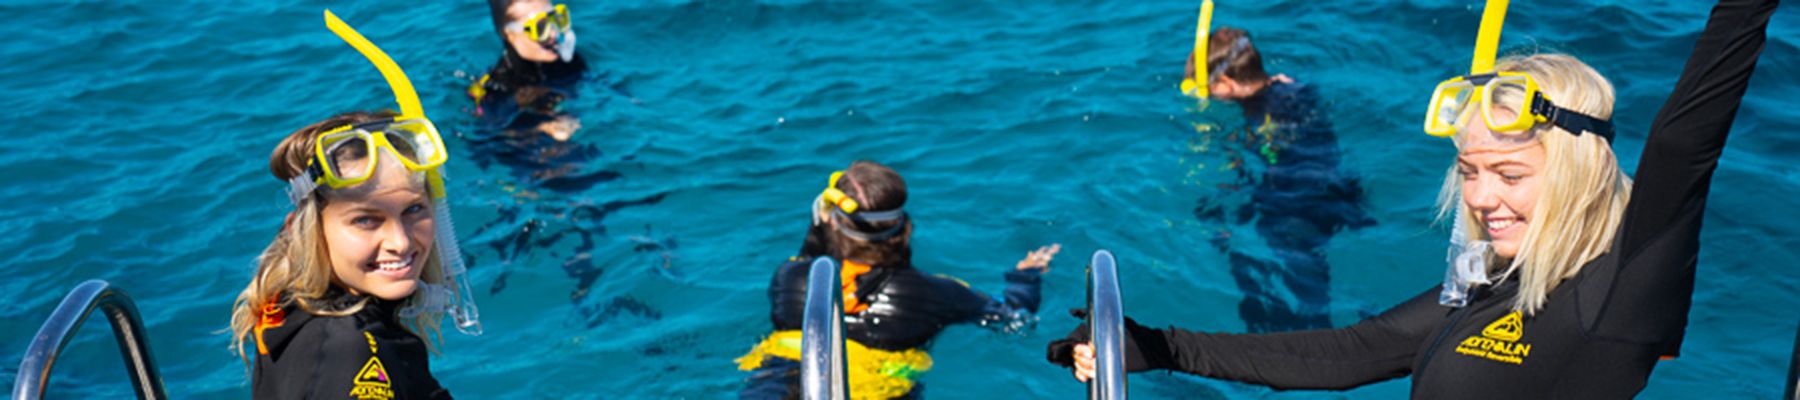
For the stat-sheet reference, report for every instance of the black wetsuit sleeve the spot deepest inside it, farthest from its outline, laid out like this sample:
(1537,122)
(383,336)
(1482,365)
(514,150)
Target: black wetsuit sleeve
(1659,239)
(1023,290)
(1379,348)
(1017,303)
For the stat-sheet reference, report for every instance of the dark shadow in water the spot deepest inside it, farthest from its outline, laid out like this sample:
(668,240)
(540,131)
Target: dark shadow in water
(1299,198)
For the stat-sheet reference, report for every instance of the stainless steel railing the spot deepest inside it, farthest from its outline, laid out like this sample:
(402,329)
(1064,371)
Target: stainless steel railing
(128,330)
(1793,379)
(822,360)
(1106,324)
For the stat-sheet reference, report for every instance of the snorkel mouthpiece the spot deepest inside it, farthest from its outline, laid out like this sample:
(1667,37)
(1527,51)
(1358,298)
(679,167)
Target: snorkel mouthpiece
(1467,264)
(452,297)
(565,46)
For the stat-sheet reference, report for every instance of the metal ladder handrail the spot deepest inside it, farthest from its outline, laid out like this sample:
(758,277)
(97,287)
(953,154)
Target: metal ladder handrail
(1106,326)
(1793,378)
(822,359)
(60,328)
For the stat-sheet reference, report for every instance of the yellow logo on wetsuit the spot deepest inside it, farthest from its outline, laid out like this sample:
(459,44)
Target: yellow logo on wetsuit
(1499,341)
(371,382)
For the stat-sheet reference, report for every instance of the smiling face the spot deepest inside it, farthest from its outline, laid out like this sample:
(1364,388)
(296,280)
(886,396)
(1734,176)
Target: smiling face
(379,233)
(1501,184)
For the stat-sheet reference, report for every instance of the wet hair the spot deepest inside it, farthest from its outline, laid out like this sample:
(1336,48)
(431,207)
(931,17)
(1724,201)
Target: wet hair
(295,269)
(1232,48)
(497,9)
(875,188)
(1584,193)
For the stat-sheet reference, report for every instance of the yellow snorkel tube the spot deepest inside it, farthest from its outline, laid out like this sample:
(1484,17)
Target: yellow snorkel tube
(1468,258)
(1196,85)
(1487,48)
(453,296)
(1487,42)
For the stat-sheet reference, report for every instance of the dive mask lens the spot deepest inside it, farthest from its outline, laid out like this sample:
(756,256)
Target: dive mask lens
(547,31)
(417,142)
(1448,108)
(1506,104)
(347,156)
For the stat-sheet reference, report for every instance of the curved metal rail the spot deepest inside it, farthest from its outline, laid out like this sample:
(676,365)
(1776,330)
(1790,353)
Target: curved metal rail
(128,329)
(1106,324)
(1793,380)
(822,361)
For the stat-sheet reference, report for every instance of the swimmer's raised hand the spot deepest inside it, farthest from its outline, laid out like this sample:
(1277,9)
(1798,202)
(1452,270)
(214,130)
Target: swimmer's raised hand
(1040,259)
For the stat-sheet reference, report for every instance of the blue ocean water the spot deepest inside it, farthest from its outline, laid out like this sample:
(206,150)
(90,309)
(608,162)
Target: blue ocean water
(140,134)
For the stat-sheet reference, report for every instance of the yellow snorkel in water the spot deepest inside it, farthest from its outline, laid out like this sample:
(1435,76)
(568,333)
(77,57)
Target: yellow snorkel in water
(1196,85)
(452,297)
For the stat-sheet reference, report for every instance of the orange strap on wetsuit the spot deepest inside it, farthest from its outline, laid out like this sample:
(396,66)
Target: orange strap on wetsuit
(270,315)
(851,270)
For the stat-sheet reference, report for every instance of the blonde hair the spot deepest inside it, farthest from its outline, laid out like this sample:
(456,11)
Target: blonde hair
(1584,195)
(295,269)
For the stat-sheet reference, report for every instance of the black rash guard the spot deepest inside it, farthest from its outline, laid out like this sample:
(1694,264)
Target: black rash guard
(363,356)
(1600,332)
(906,307)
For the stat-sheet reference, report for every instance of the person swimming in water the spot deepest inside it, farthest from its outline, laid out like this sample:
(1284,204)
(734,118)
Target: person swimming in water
(892,310)
(1567,279)
(522,123)
(538,70)
(1302,196)
(346,297)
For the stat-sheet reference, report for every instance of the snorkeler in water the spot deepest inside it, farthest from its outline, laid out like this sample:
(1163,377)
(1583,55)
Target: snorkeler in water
(1566,279)
(892,310)
(346,299)
(538,70)
(524,125)
(1302,195)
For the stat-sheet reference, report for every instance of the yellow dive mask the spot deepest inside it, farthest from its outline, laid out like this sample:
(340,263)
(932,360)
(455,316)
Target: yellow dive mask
(551,28)
(1509,103)
(345,156)
(544,25)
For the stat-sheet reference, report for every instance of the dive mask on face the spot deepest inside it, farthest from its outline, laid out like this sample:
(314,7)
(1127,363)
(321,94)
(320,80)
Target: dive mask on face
(860,224)
(550,28)
(414,139)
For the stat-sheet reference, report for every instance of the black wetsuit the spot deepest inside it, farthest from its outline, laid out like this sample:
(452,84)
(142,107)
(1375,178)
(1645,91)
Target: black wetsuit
(907,308)
(1303,199)
(366,356)
(1600,333)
